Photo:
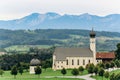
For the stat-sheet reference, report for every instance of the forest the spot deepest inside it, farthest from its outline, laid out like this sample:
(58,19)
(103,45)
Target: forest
(106,41)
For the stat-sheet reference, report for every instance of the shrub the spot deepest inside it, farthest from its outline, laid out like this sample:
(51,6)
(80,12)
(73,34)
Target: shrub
(63,71)
(95,70)
(81,69)
(101,72)
(38,71)
(75,72)
(90,68)
(112,76)
(14,71)
(106,74)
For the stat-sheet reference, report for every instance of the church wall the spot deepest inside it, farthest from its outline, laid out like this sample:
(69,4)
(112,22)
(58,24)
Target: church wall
(73,62)
(53,64)
(78,61)
(60,64)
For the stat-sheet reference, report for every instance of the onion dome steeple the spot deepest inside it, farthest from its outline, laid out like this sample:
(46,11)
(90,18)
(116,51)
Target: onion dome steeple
(92,34)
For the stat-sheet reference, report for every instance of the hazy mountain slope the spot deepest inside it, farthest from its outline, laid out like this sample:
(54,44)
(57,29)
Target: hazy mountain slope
(56,21)
(106,41)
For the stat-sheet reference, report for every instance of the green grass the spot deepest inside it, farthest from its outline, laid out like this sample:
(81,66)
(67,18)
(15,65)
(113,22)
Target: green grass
(103,78)
(116,71)
(48,72)
(24,47)
(99,78)
(40,79)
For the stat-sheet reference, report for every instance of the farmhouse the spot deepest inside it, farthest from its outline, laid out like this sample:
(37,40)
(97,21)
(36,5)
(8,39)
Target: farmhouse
(105,56)
(76,57)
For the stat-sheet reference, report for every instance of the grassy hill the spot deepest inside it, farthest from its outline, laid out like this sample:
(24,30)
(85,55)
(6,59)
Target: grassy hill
(24,39)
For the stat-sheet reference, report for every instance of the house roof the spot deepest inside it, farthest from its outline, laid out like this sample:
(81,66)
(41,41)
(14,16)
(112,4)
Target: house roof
(62,53)
(105,55)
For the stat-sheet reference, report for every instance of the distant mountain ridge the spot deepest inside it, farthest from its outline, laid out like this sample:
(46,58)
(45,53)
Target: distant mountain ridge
(56,21)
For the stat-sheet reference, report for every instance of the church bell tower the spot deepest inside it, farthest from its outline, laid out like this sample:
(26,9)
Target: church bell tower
(93,44)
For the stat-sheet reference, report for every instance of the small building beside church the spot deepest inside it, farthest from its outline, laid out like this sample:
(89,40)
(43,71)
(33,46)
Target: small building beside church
(33,64)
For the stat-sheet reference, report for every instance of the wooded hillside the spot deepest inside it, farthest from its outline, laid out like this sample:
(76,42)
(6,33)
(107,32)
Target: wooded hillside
(106,41)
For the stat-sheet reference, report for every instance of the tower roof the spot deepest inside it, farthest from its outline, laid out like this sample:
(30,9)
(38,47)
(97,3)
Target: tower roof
(35,62)
(92,33)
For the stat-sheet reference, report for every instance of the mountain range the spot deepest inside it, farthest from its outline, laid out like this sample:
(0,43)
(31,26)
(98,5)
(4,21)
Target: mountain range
(56,21)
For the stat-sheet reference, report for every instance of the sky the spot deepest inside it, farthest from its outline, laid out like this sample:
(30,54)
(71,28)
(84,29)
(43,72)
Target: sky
(14,9)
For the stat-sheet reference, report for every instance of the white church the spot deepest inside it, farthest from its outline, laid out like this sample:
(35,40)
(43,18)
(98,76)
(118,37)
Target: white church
(75,57)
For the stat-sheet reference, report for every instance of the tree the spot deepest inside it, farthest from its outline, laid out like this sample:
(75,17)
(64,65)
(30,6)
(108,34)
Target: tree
(1,72)
(118,51)
(81,69)
(95,70)
(107,65)
(14,71)
(21,70)
(90,68)
(38,71)
(46,64)
(101,65)
(117,62)
(63,71)
(112,64)
(112,76)
(106,74)
(117,76)
(101,72)
(75,72)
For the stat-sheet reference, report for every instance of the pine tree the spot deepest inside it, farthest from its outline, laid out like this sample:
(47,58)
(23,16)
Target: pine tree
(75,72)
(21,70)
(63,71)
(81,69)
(14,71)
(38,71)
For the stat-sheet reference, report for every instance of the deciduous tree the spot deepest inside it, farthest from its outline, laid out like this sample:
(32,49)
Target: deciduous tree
(81,69)
(63,71)
(14,71)
(75,72)
(38,71)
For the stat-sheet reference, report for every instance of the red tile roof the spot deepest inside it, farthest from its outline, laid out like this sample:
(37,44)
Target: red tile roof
(106,55)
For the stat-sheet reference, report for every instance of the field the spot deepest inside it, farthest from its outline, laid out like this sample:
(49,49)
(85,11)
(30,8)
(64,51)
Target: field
(24,48)
(44,76)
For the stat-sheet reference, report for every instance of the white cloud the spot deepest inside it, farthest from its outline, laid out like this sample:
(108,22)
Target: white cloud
(10,9)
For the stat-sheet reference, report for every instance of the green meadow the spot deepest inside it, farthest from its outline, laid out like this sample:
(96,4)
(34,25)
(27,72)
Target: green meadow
(103,78)
(48,74)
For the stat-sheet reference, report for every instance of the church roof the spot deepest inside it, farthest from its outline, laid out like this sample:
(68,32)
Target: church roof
(62,53)
(105,55)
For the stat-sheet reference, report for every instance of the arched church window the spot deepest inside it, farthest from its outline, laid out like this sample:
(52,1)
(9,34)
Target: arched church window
(72,62)
(89,61)
(78,62)
(83,62)
(67,62)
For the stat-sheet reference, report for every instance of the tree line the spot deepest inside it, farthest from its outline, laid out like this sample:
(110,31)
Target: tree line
(44,55)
